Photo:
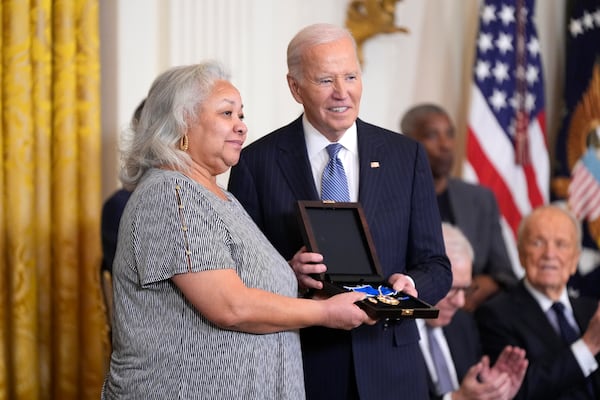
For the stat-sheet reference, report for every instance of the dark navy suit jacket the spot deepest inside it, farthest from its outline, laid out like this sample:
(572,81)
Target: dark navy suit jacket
(515,318)
(476,213)
(396,193)
(112,210)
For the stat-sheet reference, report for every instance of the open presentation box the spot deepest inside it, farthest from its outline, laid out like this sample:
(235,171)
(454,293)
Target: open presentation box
(339,231)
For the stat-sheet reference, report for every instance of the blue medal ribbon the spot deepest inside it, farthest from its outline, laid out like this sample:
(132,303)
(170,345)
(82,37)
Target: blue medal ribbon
(370,291)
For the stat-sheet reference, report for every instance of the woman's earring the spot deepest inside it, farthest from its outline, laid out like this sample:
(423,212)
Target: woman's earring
(184,143)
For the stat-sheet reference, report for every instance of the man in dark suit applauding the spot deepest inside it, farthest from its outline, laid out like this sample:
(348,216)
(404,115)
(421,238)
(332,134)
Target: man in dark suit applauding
(560,334)
(451,346)
(388,173)
(470,207)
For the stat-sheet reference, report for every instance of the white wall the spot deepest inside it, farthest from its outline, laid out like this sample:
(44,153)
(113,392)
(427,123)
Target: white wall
(141,38)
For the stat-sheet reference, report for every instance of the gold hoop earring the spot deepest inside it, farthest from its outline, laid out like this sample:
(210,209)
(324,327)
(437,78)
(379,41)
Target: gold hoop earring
(184,143)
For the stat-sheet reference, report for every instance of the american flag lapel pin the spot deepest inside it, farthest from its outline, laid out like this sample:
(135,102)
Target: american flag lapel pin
(374,164)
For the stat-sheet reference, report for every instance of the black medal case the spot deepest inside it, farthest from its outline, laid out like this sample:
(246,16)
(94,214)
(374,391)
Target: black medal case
(339,231)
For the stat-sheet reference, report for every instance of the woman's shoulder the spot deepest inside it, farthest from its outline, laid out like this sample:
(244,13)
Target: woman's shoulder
(161,185)
(159,180)
(157,175)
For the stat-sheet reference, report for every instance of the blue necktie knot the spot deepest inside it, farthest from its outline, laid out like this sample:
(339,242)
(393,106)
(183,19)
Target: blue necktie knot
(558,307)
(333,150)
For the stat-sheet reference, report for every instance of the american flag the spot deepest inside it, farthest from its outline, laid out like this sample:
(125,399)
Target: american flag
(506,138)
(584,189)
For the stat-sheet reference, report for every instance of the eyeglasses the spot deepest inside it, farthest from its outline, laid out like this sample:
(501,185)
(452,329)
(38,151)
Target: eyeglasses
(467,290)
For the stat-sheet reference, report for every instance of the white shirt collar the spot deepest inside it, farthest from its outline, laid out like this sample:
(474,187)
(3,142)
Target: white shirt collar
(318,156)
(544,301)
(316,142)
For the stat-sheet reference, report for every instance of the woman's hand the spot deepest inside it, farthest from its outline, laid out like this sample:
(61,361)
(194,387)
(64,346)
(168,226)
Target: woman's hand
(344,313)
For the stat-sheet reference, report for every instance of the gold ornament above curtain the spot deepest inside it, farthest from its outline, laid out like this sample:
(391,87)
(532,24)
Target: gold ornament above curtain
(368,18)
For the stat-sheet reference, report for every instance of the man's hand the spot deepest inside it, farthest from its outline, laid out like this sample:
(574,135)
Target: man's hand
(402,283)
(512,361)
(305,263)
(591,337)
(502,381)
(481,383)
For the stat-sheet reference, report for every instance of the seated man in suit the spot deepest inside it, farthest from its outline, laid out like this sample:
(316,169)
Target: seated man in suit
(112,209)
(560,333)
(463,373)
(472,208)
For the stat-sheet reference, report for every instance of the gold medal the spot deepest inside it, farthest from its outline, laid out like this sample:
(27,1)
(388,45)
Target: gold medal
(387,299)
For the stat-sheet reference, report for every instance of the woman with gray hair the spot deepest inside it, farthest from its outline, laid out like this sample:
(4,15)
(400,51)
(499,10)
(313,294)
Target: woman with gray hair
(205,307)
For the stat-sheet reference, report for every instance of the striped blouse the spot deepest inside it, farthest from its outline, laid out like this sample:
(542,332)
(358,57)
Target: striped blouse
(163,347)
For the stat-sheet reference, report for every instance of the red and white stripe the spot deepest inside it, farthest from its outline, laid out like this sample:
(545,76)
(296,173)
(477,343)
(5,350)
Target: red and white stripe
(491,155)
(491,162)
(584,193)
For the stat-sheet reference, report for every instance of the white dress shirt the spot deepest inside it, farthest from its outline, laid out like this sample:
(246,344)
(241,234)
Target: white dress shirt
(583,355)
(316,145)
(318,157)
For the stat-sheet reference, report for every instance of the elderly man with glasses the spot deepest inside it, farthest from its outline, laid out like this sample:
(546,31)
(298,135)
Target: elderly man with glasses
(450,344)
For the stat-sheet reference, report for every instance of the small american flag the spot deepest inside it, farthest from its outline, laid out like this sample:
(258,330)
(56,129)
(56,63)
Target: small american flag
(584,190)
(506,138)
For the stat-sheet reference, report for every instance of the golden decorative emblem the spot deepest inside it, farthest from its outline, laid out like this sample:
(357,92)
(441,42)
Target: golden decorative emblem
(367,18)
(388,300)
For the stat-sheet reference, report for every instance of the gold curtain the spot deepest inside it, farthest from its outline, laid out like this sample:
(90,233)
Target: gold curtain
(52,322)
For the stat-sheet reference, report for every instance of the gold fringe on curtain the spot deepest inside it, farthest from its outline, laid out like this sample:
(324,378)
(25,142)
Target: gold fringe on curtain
(52,322)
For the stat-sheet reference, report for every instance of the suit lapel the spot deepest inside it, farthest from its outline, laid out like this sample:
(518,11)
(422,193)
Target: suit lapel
(371,166)
(292,160)
(582,313)
(534,317)
(295,166)
(455,336)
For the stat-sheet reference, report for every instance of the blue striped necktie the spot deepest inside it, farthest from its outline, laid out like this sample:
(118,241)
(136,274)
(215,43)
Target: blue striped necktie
(334,185)
(444,381)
